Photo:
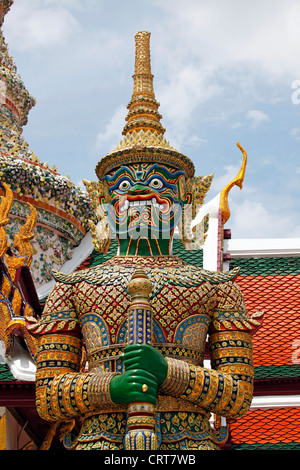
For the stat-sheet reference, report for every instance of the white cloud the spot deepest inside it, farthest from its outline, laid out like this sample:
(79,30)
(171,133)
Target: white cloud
(228,174)
(191,85)
(218,59)
(196,141)
(180,94)
(72,4)
(237,125)
(111,136)
(253,219)
(264,35)
(295,133)
(34,26)
(257,117)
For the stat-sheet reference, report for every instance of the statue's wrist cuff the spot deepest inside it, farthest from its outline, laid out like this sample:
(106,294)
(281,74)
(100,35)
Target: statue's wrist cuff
(177,379)
(98,389)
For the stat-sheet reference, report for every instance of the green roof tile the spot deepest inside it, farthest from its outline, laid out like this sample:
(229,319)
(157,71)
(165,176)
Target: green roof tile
(268,446)
(194,257)
(269,266)
(5,374)
(264,372)
(99,258)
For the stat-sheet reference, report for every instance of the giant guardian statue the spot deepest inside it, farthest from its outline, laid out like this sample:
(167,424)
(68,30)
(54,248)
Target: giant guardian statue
(121,345)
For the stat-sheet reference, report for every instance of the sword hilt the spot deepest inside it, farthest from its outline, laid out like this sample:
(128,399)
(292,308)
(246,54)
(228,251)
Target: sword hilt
(140,433)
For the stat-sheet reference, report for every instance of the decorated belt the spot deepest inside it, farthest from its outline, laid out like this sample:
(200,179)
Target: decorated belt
(105,355)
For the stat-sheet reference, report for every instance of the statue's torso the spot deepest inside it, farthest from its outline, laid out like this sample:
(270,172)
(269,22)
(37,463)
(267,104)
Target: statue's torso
(182,301)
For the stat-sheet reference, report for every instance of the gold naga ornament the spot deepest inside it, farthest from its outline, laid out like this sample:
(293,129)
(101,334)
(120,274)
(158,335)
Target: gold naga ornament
(14,310)
(237,181)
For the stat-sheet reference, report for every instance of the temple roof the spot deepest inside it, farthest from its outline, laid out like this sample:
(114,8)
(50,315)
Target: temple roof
(5,373)
(272,284)
(267,429)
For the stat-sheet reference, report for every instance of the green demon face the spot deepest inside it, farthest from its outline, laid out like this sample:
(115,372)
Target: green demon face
(143,206)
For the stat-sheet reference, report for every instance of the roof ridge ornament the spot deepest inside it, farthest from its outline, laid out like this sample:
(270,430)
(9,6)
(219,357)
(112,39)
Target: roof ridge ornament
(237,181)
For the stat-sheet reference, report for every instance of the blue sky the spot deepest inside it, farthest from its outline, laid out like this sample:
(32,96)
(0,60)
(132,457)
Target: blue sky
(224,71)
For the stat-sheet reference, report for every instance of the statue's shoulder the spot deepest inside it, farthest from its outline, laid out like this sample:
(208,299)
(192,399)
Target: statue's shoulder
(73,278)
(216,277)
(203,275)
(99,274)
(184,274)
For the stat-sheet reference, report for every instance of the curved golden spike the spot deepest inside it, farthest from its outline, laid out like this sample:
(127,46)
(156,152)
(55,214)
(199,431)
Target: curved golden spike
(237,181)
(25,235)
(5,206)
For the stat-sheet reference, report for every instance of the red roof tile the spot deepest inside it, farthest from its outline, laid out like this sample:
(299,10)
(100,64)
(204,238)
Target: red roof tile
(267,425)
(275,343)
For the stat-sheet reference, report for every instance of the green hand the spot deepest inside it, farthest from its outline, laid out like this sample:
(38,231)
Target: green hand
(128,387)
(147,358)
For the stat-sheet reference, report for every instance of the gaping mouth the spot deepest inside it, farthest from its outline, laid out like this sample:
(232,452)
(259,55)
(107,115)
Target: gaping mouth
(139,204)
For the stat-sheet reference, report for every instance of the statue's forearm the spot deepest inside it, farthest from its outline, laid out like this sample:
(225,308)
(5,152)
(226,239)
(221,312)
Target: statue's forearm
(72,394)
(226,389)
(62,391)
(215,391)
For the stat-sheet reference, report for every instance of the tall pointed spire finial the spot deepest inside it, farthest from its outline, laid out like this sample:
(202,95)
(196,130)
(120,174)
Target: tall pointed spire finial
(143,135)
(143,107)
(142,67)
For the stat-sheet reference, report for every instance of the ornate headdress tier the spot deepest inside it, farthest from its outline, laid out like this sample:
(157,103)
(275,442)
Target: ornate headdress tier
(143,133)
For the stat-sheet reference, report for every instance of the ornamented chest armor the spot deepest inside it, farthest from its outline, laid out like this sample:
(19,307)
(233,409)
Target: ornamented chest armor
(182,302)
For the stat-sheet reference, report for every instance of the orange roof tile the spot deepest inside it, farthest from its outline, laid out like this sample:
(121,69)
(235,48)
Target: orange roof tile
(267,426)
(275,343)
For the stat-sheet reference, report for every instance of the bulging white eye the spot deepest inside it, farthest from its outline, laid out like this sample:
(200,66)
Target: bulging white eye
(156,183)
(124,185)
